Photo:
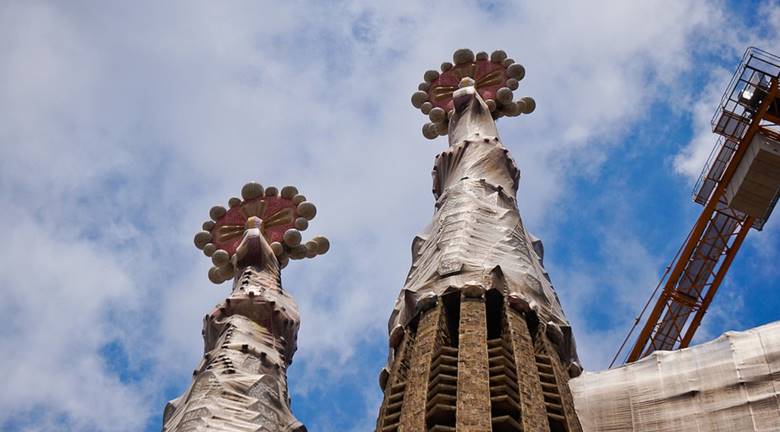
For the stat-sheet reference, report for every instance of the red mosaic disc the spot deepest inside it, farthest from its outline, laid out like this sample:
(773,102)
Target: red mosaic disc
(278,215)
(489,78)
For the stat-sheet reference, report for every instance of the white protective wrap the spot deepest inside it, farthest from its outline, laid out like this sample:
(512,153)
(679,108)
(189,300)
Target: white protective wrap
(731,384)
(249,340)
(477,237)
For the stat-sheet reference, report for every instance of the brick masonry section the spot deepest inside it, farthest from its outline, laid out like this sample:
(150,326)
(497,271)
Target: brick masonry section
(473,405)
(413,410)
(524,388)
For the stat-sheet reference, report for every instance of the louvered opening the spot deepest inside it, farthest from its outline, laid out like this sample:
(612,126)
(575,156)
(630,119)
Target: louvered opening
(494,310)
(395,400)
(441,399)
(552,398)
(391,417)
(451,303)
(505,405)
(504,390)
(442,390)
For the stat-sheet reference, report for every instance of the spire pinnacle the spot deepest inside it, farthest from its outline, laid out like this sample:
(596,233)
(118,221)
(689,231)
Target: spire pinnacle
(261,228)
(494,77)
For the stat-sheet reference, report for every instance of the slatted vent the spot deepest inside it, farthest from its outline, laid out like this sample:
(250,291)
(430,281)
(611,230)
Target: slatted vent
(395,393)
(395,400)
(552,396)
(504,391)
(442,390)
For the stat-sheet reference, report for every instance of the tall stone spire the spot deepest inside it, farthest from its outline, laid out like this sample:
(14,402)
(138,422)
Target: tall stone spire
(250,337)
(478,338)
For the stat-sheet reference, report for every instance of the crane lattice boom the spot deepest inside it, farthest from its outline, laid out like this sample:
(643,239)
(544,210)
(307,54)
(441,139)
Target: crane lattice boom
(738,188)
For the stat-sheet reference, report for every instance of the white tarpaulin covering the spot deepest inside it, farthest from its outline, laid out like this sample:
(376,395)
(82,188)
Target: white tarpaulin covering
(729,384)
(477,237)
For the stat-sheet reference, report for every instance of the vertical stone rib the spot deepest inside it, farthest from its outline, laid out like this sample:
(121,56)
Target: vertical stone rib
(473,406)
(533,414)
(413,408)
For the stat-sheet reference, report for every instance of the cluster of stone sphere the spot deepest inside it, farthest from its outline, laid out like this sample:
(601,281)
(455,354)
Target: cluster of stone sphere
(501,106)
(291,246)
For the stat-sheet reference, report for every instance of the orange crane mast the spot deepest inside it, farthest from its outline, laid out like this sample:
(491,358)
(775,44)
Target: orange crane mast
(738,189)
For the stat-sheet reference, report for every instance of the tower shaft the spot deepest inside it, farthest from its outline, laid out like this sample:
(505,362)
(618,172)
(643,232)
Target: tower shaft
(476,364)
(478,339)
(241,382)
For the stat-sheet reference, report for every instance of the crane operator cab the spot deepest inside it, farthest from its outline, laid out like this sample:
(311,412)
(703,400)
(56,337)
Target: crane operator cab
(755,186)
(754,92)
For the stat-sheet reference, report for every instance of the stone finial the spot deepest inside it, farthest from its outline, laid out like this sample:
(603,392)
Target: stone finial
(265,223)
(494,76)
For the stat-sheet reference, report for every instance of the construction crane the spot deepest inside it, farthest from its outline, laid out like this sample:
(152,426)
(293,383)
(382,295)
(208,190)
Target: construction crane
(738,188)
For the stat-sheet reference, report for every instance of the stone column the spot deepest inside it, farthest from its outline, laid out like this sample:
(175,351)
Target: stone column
(473,377)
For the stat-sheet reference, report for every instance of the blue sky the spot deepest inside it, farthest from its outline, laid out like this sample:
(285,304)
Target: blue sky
(124,122)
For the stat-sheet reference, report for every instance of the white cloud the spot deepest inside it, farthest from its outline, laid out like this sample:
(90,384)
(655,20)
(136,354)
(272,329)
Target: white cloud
(691,160)
(124,123)
(58,295)
(760,29)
